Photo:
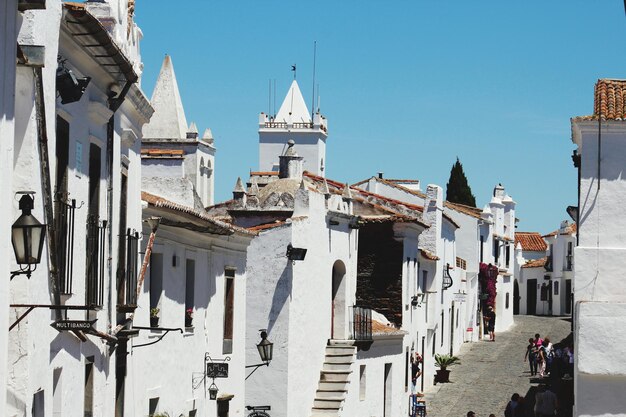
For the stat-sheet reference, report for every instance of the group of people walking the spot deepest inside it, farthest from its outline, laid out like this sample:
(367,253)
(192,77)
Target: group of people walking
(545,359)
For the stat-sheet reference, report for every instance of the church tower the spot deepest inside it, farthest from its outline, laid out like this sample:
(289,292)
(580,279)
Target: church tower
(293,122)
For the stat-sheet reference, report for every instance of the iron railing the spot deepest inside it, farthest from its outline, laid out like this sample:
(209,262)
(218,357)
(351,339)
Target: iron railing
(361,323)
(64,224)
(96,232)
(132,254)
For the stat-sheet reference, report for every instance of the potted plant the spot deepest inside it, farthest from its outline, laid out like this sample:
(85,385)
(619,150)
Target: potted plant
(189,317)
(154,317)
(442,362)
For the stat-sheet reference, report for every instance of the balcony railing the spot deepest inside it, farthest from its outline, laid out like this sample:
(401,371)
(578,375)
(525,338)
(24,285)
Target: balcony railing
(96,229)
(64,224)
(132,253)
(285,125)
(361,324)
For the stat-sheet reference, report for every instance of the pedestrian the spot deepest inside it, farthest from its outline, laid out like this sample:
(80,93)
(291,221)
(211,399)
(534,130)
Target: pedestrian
(541,361)
(549,348)
(531,354)
(538,340)
(492,415)
(471,414)
(490,318)
(546,403)
(416,372)
(511,407)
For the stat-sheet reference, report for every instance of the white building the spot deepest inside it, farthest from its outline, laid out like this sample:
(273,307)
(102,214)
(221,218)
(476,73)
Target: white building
(544,268)
(599,291)
(174,159)
(79,152)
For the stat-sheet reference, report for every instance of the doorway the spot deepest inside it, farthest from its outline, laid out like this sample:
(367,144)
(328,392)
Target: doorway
(387,392)
(568,296)
(516,297)
(531,297)
(338,302)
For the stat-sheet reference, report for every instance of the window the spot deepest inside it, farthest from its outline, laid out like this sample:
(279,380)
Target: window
(190,282)
(57,393)
(434,343)
(406,370)
(156,283)
(121,236)
(569,257)
(94,247)
(153,406)
(88,393)
(496,251)
(39,405)
(506,301)
(461,263)
(482,247)
(362,382)
(555,284)
(507,252)
(63,209)
(229,307)
(424,280)
(442,324)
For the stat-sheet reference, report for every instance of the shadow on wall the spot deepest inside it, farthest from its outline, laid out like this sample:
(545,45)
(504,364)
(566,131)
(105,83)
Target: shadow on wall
(282,292)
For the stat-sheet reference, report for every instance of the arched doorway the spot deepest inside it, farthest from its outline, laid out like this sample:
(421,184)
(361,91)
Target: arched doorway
(516,297)
(338,302)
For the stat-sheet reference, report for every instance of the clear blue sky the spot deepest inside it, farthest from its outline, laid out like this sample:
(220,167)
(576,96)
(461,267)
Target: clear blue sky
(407,86)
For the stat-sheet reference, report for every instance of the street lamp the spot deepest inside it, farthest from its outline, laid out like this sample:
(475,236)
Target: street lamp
(27,236)
(213,392)
(266,351)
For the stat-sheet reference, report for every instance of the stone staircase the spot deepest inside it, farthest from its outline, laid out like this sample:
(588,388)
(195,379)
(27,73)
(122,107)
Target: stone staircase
(334,378)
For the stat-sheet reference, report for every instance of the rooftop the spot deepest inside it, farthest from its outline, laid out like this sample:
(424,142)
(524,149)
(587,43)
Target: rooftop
(609,102)
(531,241)
(536,263)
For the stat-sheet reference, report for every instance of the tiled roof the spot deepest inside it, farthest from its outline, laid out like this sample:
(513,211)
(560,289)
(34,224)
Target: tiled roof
(217,226)
(571,229)
(429,255)
(162,153)
(462,208)
(531,241)
(379,328)
(263,173)
(536,263)
(609,101)
(267,226)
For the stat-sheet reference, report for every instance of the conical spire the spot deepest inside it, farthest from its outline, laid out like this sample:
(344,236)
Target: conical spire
(207,135)
(239,186)
(293,109)
(192,132)
(168,120)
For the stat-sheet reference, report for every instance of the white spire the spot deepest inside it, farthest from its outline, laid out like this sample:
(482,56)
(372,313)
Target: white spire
(293,109)
(168,120)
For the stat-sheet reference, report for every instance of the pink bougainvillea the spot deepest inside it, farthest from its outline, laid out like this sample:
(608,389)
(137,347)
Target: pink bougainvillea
(487,277)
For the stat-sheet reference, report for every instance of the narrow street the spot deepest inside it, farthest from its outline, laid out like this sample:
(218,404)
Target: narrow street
(490,373)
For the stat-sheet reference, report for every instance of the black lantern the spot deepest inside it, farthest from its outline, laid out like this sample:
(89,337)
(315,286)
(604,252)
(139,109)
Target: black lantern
(265,348)
(69,87)
(213,391)
(295,254)
(27,236)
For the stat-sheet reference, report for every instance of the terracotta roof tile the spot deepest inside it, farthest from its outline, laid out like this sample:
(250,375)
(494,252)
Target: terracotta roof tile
(531,241)
(162,153)
(462,208)
(571,229)
(609,101)
(263,173)
(536,263)
(267,226)
(379,328)
(429,255)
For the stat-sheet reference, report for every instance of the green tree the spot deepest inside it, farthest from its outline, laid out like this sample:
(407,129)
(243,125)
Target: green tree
(457,189)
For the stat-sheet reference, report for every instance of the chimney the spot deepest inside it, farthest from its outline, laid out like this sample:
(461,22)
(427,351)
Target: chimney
(498,191)
(290,164)
(239,194)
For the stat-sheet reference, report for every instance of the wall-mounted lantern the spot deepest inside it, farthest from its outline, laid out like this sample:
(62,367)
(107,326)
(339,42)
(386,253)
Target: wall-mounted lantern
(418,299)
(213,391)
(295,254)
(69,87)
(28,236)
(266,352)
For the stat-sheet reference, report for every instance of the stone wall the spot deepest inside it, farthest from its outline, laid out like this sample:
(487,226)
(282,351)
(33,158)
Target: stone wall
(379,272)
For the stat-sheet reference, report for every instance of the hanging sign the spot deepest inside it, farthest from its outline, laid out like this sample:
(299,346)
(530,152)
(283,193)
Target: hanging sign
(460,297)
(258,413)
(68,325)
(216,370)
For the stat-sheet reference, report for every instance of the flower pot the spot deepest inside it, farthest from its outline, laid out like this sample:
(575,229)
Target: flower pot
(154,322)
(443,375)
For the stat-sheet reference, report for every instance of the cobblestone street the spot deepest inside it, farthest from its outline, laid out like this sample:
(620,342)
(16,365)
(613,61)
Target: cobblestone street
(490,372)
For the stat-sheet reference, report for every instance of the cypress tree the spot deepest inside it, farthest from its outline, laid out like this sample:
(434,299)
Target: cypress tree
(457,189)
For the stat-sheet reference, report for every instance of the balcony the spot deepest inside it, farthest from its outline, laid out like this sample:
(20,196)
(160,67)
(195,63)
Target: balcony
(361,327)
(132,253)
(64,223)
(94,276)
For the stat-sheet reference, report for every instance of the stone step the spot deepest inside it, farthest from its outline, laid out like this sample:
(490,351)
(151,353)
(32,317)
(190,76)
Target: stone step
(327,403)
(340,342)
(334,385)
(334,376)
(341,358)
(345,366)
(340,350)
(331,393)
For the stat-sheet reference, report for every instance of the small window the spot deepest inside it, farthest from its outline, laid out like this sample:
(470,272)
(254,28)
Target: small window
(229,309)
(362,382)
(506,301)
(156,287)
(153,406)
(424,280)
(190,282)
(88,393)
(556,287)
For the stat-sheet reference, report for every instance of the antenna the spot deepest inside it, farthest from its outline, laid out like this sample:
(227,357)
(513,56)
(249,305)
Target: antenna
(313,94)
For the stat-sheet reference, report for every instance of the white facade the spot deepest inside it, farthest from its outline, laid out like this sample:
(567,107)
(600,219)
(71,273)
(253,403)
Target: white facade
(599,293)
(65,373)
(189,270)
(293,121)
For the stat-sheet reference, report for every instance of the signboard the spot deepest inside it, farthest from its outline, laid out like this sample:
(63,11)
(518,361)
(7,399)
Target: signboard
(68,325)
(460,297)
(216,370)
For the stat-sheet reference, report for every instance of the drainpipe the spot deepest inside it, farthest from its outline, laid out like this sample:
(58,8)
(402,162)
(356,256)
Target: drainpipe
(114,104)
(42,142)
